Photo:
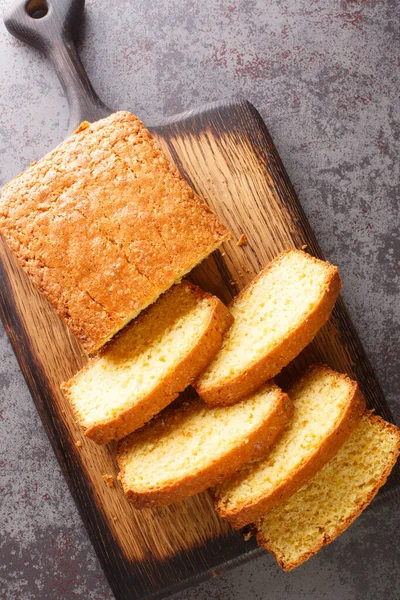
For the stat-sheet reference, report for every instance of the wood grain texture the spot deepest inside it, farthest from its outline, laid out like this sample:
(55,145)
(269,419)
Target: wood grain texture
(227,155)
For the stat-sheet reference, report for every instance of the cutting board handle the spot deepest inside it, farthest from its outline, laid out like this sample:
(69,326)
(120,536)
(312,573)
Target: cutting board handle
(52,26)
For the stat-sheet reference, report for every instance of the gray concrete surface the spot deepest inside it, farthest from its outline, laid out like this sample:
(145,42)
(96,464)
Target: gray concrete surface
(325,77)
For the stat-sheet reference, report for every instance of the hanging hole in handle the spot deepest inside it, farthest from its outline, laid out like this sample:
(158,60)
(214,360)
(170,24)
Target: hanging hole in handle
(37,9)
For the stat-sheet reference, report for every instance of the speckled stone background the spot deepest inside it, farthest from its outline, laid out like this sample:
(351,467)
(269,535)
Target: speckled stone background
(325,77)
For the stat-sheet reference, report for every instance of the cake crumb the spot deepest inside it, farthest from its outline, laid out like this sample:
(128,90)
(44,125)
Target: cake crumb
(82,126)
(78,444)
(109,481)
(247,536)
(242,241)
(115,519)
(304,246)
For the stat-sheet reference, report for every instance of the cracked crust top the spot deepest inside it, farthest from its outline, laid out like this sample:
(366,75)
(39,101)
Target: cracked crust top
(104,224)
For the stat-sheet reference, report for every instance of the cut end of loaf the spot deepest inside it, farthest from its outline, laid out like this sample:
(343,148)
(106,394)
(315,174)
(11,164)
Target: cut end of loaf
(276,316)
(187,449)
(152,299)
(322,509)
(327,407)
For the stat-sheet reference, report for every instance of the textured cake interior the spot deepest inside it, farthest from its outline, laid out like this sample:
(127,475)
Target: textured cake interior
(142,355)
(180,442)
(267,312)
(330,501)
(320,399)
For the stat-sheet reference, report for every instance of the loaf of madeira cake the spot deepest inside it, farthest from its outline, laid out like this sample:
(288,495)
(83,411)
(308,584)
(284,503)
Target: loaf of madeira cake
(104,224)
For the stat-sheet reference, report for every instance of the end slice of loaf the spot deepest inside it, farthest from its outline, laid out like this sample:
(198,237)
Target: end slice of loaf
(327,407)
(189,448)
(145,367)
(276,316)
(319,512)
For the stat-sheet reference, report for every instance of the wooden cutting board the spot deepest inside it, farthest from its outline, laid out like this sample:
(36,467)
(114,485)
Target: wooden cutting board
(226,154)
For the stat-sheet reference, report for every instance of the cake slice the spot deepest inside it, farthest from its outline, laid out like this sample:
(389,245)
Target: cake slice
(276,316)
(147,364)
(104,224)
(327,407)
(188,448)
(321,510)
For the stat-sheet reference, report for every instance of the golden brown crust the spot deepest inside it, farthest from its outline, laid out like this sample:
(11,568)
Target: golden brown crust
(256,445)
(176,381)
(251,511)
(104,224)
(288,566)
(270,365)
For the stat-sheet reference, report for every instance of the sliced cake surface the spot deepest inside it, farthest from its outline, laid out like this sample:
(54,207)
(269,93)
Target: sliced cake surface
(276,316)
(104,224)
(148,363)
(321,510)
(327,407)
(188,448)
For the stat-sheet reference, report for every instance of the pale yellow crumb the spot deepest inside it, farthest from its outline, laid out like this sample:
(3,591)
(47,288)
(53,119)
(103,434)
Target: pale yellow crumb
(132,379)
(165,460)
(313,517)
(327,404)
